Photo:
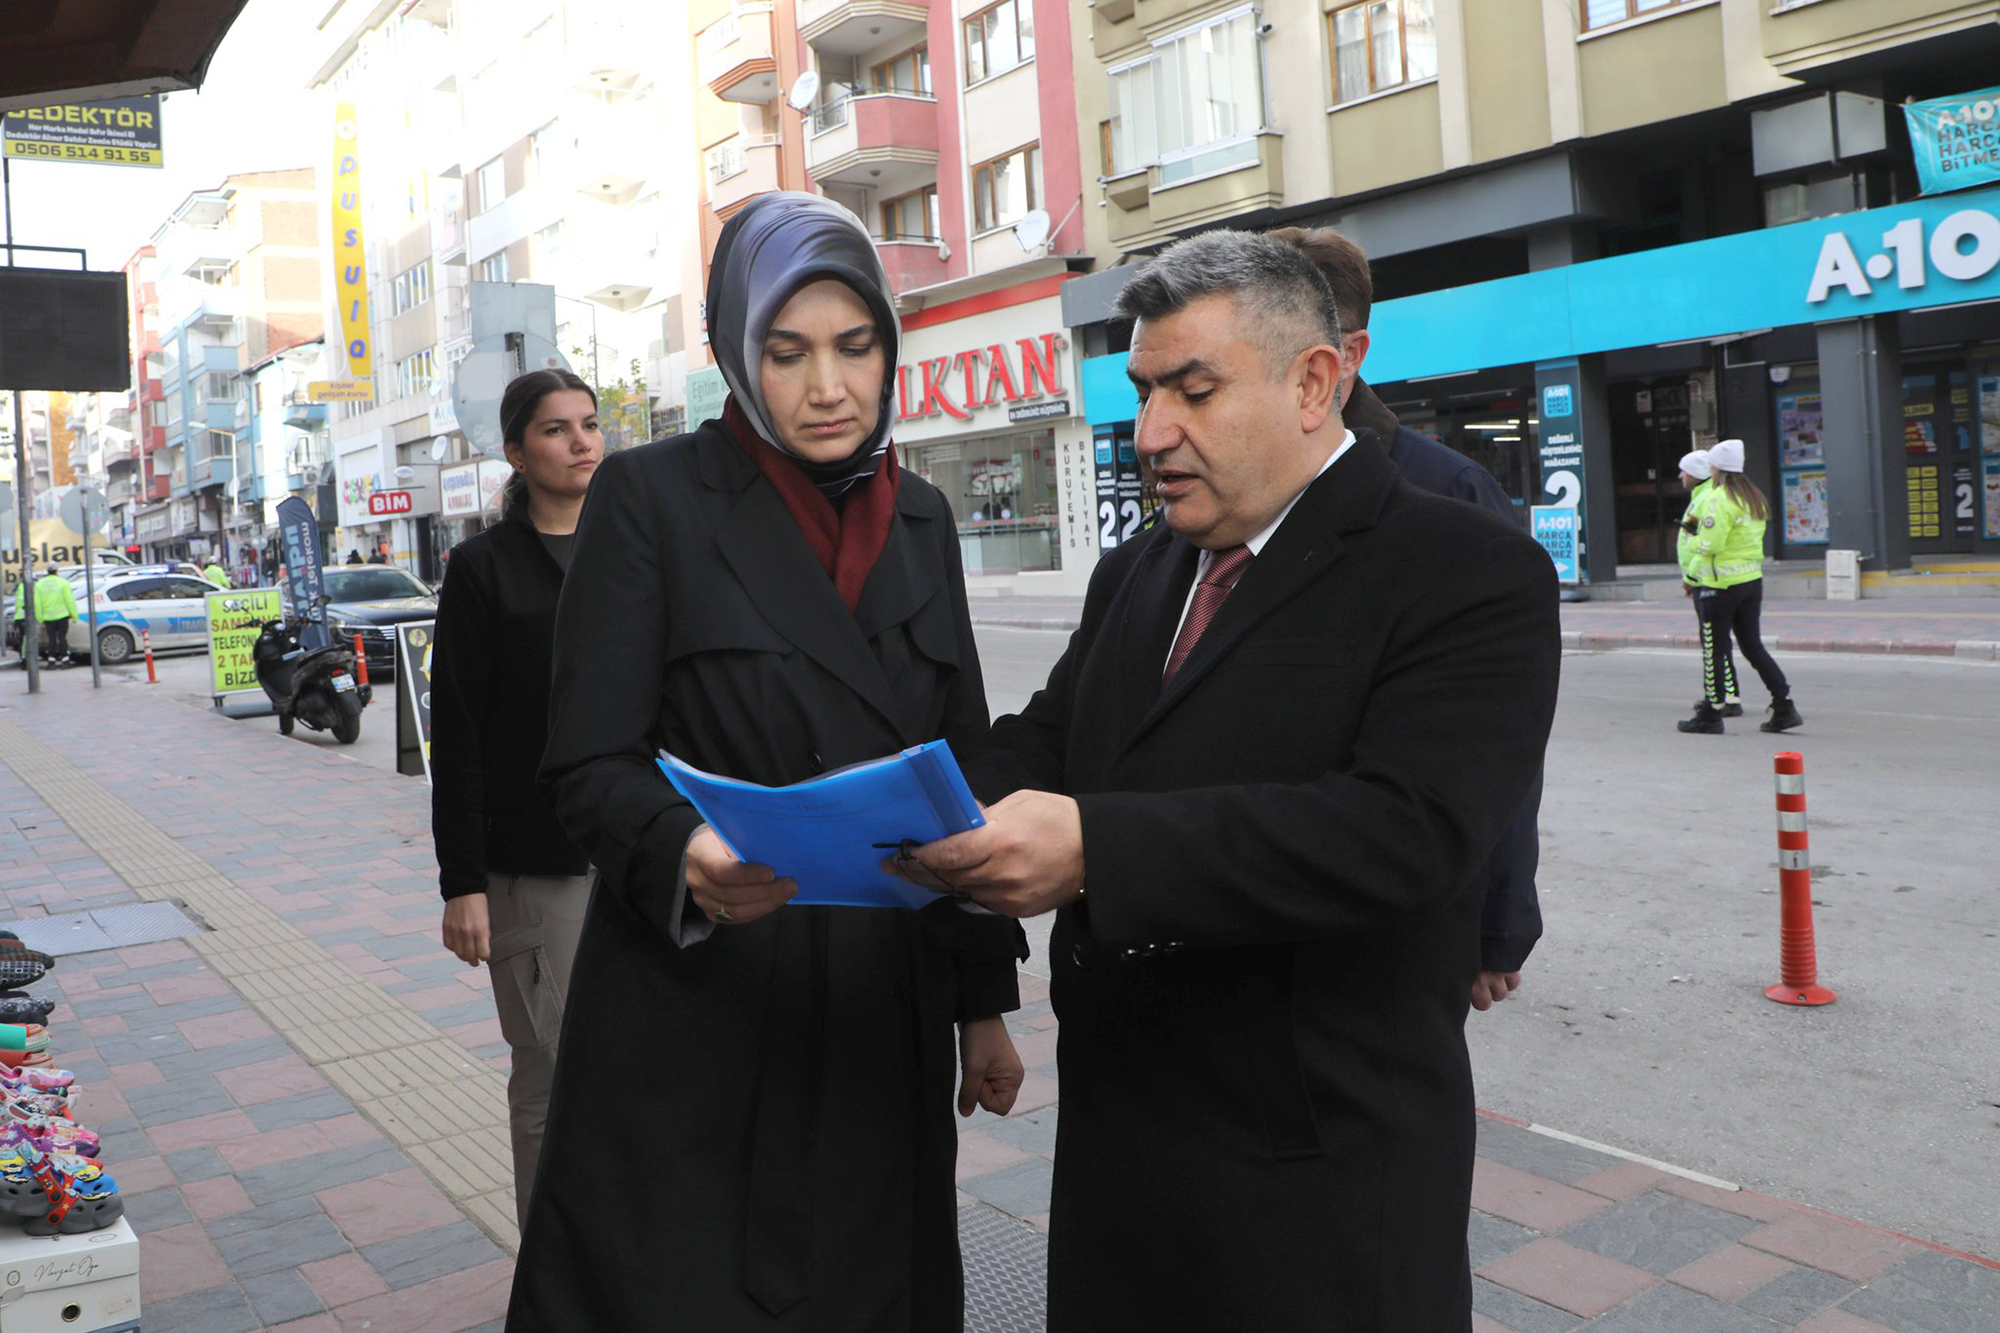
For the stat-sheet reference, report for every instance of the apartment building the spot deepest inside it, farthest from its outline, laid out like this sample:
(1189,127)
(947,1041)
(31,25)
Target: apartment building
(142,486)
(947,128)
(1603,232)
(237,277)
(518,144)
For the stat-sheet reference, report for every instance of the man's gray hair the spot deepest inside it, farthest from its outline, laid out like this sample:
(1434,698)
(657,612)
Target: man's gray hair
(1279,292)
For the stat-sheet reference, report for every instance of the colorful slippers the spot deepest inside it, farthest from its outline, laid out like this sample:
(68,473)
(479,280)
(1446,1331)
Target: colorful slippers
(21,966)
(23,1037)
(50,1136)
(48,1079)
(56,1192)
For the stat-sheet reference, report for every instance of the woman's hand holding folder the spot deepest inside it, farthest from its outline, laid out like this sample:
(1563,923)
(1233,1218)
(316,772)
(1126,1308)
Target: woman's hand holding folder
(730,892)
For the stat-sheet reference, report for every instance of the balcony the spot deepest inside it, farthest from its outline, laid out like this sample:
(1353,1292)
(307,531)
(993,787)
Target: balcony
(302,413)
(1799,39)
(156,488)
(609,256)
(204,473)
(607,163)
(850,27)
(215,357)
(612,55)
(448,236)
(877,141)
(216,312)
(734,56)
(1233,178)
(912,264)
(740,169)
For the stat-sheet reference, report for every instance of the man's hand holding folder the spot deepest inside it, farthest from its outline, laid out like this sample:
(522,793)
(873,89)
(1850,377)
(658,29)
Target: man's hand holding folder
(1026,859)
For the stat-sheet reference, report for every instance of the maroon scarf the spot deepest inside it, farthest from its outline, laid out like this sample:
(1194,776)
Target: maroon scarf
(847,540)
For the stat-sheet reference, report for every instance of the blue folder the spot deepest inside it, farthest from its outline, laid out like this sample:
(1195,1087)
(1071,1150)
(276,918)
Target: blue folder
(832,833)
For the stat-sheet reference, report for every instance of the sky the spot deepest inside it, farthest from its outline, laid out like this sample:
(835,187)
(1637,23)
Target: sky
(253,114)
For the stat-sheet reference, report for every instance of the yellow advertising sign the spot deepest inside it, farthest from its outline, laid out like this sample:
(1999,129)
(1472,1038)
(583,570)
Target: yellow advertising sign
(341,391)
(121,132)
(51,542)
(235,619)
(350,255)
(61,473)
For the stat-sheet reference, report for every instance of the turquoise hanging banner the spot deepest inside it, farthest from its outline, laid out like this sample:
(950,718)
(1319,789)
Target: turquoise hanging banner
(1956,140)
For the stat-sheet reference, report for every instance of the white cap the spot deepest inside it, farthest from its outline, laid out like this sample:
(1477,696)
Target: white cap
(1696,464)
(1726,456)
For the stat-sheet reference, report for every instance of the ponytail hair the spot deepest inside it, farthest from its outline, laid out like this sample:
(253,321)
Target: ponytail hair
(517,408)
(1744,492)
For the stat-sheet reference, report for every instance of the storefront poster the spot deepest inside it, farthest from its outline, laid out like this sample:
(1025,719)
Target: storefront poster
(1992,505)
(1955,140)
(1964,502)
(235,619)
(413,658)
(1555,527)
(1805,507)
(1799,429)
(1989,413)
(1561,449)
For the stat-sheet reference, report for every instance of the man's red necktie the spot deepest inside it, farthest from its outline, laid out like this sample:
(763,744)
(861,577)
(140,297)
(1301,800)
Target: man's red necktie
(1224,568)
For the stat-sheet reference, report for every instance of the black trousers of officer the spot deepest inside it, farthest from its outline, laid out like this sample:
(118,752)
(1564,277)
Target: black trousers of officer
(1733,614)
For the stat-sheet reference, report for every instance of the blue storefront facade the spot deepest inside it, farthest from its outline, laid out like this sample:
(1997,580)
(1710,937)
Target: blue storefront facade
(1857,355)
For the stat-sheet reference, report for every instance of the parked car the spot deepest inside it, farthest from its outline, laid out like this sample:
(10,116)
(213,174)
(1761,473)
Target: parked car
(371,600)
(170,606)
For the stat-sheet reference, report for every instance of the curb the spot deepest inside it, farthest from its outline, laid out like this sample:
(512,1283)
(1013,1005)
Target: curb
(1985,650)
(1979,649)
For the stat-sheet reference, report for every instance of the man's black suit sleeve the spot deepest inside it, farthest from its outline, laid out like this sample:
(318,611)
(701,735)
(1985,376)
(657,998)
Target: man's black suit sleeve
(610,657)
(1459,709)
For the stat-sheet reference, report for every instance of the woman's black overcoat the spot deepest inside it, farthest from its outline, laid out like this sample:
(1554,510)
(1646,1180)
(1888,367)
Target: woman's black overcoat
(754,1131)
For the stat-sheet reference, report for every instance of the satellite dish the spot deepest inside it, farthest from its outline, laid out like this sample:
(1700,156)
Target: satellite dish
(1031,231)
(311,474)
(804,90)
(439,448)
(405,472)
(944,251)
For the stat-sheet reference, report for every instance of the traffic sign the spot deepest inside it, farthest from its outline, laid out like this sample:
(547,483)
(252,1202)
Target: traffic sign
(84,511)
(482,377)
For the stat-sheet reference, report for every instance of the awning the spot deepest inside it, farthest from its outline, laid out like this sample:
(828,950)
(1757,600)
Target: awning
(87,50)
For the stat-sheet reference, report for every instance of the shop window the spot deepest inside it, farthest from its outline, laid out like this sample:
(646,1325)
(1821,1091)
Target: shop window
(1381,45)
(912,217)
(1006,189)
(998,38)
(1603,13)
(1193,105)
(909,73)
(1002,491)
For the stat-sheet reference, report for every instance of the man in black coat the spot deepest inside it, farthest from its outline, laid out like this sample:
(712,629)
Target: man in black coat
(1511,921)
(1259,812)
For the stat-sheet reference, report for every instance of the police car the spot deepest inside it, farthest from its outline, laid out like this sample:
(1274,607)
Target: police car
(168,603)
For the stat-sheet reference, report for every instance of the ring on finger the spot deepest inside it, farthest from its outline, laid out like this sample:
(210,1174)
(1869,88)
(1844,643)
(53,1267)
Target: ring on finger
(721,914)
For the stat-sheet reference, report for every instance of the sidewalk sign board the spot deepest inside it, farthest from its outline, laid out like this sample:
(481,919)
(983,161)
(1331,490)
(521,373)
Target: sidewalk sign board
(413,700)
(1554,527)
(235,618)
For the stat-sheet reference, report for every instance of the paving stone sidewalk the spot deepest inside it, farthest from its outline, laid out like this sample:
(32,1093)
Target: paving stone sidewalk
(278,1178)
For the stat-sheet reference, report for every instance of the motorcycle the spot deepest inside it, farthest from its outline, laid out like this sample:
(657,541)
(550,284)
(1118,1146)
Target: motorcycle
(316,687)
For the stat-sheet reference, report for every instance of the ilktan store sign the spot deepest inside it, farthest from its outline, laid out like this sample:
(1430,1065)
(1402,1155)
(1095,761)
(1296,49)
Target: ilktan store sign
(1015,373)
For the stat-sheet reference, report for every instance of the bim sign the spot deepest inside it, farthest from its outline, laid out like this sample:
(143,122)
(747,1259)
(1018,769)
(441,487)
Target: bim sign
(383,503)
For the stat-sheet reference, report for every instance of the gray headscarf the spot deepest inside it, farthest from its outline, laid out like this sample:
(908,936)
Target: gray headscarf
(777,244)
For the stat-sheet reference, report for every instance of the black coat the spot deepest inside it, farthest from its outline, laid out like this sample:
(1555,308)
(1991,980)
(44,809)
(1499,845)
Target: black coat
(1267,1117)
(773,1105)
(495,635)
(1511,922)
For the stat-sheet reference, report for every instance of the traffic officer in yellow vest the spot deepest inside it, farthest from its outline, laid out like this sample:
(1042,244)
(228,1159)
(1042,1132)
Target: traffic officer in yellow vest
(55,603)
(1727,569)
(1695,473)
(215,573)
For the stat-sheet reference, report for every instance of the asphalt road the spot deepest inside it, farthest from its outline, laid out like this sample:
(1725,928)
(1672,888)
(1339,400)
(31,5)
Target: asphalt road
(1642,1023)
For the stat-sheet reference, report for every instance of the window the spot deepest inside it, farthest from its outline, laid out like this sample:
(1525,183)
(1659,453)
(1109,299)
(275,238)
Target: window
(1384,44)
(549,245)
(725,160)
(411,288)
(1600,13)
(494,269)
(540,145)
(416,374)
(913,217)
(1194,105)
(1005,189)
(909,72)
(492,184)
(998,38)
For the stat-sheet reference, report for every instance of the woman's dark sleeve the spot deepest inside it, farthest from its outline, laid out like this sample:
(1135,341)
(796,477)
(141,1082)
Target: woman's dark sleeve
(599,770)
(463,654)
(985,949)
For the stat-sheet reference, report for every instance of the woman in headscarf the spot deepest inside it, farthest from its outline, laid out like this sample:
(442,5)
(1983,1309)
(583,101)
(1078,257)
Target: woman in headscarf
(752,1121)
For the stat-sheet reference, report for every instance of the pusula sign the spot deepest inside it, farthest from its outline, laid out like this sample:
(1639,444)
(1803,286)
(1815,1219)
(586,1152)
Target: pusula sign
(961,384)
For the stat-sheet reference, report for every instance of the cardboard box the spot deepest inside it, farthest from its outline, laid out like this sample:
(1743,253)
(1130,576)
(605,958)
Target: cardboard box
(87,1283)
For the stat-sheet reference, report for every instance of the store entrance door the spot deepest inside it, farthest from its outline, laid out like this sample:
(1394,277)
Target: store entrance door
(1941,447)
(1650,430)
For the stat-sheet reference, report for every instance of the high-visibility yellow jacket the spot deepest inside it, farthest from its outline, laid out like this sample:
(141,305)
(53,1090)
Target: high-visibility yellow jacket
(216,574)
(1729,543)
(53,598)
(1683,538)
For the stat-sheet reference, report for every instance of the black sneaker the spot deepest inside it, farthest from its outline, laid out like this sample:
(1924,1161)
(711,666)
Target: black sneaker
(1705,722)
(1783,717)
(1732,709)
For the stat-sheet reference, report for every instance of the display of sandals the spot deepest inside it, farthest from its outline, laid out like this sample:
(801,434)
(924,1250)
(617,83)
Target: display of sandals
(50,1179)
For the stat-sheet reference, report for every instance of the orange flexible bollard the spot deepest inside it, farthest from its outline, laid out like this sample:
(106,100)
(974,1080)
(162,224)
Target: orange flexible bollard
(360,661)
(146,640)
(1798,956)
